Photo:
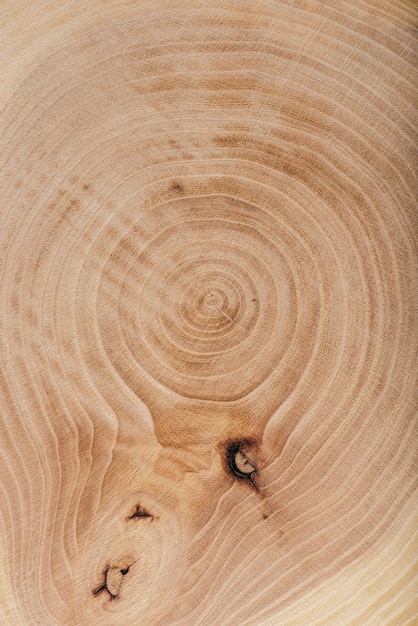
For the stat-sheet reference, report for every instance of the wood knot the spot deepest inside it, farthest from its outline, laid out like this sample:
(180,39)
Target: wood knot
(176,187)
(239,460)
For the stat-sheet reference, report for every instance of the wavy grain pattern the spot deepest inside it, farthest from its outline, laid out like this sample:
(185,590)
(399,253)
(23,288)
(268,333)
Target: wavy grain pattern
(208,298)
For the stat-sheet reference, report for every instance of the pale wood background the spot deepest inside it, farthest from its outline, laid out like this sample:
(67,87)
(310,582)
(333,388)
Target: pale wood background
(208,238)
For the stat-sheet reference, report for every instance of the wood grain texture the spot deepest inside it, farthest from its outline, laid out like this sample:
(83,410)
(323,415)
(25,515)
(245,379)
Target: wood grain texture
(208,313)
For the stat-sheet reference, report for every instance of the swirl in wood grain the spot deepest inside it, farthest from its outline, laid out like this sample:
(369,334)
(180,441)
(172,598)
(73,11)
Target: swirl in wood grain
(208,241)
(205,305)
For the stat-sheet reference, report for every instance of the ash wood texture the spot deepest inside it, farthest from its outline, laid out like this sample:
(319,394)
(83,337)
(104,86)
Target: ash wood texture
(208,323)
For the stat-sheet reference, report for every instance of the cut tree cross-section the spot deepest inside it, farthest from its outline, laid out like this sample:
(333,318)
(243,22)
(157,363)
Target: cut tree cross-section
(208,313)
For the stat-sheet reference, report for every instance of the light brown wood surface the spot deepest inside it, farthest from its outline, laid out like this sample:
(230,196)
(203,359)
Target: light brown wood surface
(208,313)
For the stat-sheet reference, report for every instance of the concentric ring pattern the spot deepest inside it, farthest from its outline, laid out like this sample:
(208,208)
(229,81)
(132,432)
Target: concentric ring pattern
(208,230)
(205,306)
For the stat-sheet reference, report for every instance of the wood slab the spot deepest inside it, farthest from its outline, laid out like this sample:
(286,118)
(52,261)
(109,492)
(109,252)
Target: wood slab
(208,313)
